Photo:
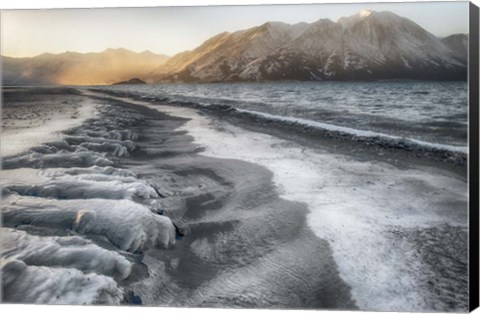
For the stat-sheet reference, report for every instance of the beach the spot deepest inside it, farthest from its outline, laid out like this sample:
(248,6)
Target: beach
(123,199)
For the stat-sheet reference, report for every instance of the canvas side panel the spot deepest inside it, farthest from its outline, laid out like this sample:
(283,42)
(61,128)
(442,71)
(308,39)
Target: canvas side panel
(474,156)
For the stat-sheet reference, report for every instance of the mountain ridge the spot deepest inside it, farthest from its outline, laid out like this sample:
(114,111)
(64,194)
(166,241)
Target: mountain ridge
(368,45)
(74,68)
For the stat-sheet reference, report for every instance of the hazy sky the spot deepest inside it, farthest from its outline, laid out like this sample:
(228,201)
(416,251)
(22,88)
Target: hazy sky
(170,30)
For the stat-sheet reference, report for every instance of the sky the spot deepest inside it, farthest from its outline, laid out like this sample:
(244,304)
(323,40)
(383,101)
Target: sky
(169,30)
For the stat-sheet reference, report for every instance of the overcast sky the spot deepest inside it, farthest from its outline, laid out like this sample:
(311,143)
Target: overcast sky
(170,30)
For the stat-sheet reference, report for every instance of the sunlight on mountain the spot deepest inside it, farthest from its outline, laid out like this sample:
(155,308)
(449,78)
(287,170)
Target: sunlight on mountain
(365,13)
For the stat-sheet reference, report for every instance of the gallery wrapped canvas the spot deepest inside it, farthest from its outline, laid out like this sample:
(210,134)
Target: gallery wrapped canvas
(309,156)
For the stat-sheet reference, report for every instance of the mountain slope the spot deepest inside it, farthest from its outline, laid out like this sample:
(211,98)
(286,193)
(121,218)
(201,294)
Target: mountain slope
(458,43)
(226,55)
(71,68)
(368,45)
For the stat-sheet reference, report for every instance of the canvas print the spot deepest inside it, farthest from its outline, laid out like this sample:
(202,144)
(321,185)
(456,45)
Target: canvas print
(308,156)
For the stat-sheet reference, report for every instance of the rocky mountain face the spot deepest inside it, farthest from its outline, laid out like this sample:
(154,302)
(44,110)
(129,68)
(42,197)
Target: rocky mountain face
(71,68)
(366,46)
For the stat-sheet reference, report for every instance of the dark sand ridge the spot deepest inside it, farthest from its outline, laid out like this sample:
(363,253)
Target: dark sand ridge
(243,246)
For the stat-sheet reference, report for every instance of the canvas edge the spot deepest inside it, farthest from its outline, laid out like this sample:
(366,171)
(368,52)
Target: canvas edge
(474,157)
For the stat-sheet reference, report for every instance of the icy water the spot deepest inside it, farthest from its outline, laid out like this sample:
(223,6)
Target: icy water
(158,200)
(432,112)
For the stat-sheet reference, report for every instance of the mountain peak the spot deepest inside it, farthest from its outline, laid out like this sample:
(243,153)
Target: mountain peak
(276,24)
(365,13)
(116,50)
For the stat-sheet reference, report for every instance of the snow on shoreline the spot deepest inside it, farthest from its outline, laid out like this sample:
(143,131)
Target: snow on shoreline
(62,191)
(357,132)
(17,140)
(359,207)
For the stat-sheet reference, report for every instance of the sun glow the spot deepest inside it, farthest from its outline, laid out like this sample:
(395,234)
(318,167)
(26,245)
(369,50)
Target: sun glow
(365,13)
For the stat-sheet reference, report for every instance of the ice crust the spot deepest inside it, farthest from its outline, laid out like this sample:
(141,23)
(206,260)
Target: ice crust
(85,187)
(59,270)
(18,140)
(72,218)
(128,225)
(24,283)
(66,252)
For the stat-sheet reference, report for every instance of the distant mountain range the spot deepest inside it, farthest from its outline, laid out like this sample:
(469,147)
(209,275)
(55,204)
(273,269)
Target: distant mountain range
(366,46)
(72,68)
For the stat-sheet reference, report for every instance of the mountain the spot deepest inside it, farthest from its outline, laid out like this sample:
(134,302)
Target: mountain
(133,81)
(366,46)
(458,43)
(72,68)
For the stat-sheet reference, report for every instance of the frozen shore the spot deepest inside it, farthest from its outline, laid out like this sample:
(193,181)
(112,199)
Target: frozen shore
(252,216)
(40,118)
(99,204)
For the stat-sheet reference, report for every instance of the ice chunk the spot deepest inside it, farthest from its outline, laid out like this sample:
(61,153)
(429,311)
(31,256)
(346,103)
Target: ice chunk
(24,283)
(128,225)
(89,188)
(71,252)
(60,159)
(98,170)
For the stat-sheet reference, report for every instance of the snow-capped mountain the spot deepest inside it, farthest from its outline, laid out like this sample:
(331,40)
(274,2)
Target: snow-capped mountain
(72,68)
(367,45)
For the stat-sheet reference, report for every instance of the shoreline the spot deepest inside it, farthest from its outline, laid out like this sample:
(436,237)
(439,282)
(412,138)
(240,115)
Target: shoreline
(228,210)
(286,217)
(398,179)
(213,217)
(361,148)
(40,120)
